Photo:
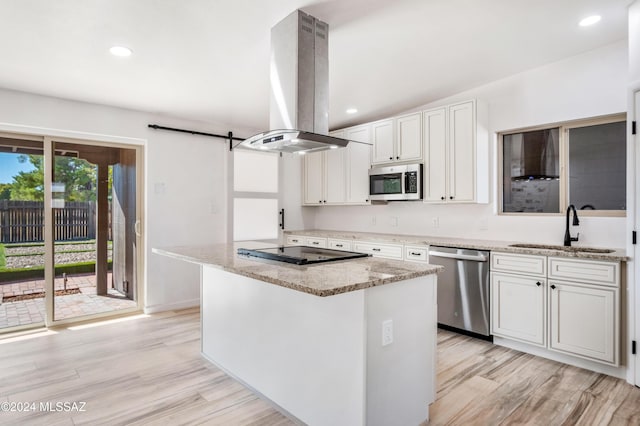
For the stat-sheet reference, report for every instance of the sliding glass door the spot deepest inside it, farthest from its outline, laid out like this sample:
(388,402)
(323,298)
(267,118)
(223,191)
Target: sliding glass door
(69,230)
(22,285)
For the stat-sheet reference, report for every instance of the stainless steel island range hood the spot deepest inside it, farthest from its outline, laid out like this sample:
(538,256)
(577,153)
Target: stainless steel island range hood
(299,71)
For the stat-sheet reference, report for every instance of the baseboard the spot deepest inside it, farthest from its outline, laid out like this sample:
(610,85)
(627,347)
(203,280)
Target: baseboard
(184,304)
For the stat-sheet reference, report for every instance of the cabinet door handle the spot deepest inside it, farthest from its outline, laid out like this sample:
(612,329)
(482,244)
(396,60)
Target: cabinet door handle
(553,287)
(320,202)
(451,197)
(390,158)
(375,249)
(397,158)
(538,283)
(442,198)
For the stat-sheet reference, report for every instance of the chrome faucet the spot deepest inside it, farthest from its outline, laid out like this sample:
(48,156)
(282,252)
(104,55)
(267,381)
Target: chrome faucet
(567,235)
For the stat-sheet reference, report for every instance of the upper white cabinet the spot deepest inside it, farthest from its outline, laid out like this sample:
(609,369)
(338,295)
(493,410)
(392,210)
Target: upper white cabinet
(409,137)
(358,161)
(324,177)
(384,140)
(397,139)
(313,179)
(456,154)
(338,176)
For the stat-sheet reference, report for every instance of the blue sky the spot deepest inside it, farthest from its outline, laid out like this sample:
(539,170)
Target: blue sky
(9,166)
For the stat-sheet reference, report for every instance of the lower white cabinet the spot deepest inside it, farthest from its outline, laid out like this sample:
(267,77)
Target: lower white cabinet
(518,307)
(299,240)
(578,315)
(584,320)
(416,253)
(389,251)
(344,245)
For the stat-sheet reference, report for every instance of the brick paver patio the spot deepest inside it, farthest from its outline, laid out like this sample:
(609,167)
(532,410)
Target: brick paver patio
(87,302)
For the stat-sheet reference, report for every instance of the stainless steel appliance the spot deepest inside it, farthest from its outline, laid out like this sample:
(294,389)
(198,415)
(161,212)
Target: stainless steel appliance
(396,183)
(299,112)
(300,255)
(463,288)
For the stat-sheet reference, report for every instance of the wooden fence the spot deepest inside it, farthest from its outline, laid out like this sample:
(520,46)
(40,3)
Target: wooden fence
(23,221)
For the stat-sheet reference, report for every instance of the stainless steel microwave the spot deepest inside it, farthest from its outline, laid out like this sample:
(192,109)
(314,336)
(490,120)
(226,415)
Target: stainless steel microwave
(396,183)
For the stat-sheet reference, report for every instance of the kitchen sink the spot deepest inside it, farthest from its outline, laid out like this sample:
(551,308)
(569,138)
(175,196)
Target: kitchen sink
(563,248)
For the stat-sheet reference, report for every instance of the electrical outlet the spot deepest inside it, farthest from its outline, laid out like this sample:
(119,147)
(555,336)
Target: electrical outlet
(387,332)
(373,220)
(435,222)
(393,221)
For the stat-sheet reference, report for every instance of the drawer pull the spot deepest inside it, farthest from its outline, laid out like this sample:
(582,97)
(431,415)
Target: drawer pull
(315,242)
(375,249)
(414,253)
(339,245)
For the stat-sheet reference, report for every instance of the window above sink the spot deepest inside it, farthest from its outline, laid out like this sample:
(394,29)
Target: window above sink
(547,168)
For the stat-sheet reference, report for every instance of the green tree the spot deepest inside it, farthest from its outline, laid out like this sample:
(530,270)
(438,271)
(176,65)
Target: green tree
(77,175)
(5,191)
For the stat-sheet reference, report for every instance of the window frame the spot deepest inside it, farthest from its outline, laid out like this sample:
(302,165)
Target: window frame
(563,143)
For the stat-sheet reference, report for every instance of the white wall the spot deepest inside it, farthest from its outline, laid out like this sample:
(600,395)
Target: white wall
(587,85)
(185,176)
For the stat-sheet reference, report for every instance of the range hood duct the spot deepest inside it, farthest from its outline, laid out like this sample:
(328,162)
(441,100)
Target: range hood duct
(299,73)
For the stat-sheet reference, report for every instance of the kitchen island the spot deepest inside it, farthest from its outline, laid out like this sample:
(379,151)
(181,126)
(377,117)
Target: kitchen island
(310,338)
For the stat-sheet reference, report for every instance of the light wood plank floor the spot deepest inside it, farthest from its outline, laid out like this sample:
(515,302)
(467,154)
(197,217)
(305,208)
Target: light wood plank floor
(149,371)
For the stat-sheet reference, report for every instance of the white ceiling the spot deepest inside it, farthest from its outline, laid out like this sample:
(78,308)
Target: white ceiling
(208,59)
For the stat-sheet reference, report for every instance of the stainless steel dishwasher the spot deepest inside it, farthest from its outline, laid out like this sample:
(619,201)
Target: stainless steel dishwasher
(463,289)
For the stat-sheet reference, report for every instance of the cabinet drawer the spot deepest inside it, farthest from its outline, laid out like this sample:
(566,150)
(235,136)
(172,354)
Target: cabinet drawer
(417,254)
(518,263)
(587,271)
(339,244)
(316,242)
(295,240)
(379,250)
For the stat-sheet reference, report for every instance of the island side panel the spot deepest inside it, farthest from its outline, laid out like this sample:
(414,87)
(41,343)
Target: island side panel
(401,376)
(303,352)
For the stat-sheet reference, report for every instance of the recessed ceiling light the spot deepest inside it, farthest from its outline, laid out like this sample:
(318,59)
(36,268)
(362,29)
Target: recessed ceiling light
(120,51)
(590,20)
(352,111)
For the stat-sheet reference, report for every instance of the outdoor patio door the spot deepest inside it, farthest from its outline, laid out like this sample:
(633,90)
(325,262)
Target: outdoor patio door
(21,232)
(94,209)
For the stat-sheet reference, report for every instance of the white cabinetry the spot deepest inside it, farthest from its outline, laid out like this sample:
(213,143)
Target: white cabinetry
(300,240)
(338,176)
(397,139)
(383,139)
(358,161)
(584,308)
(388,251)
(416,253)
(578,299)
(336,244)
(324,177)
(518,307)
(456,154)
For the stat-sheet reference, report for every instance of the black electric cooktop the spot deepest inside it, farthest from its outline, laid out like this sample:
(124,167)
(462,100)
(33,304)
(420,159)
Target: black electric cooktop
(301,255)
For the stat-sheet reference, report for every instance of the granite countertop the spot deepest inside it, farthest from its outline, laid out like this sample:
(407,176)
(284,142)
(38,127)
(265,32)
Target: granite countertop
(618,255)
(321,279)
